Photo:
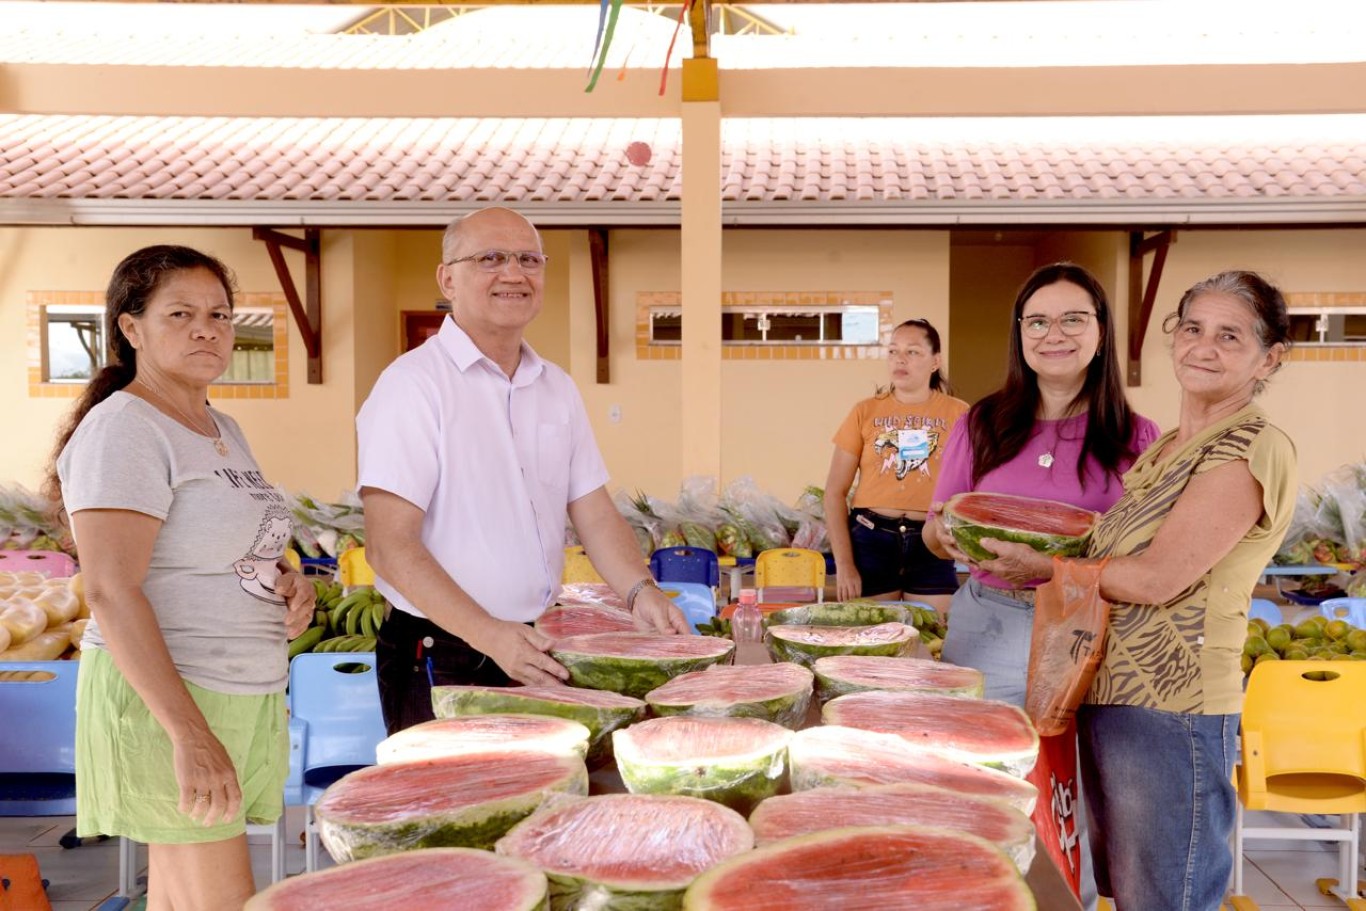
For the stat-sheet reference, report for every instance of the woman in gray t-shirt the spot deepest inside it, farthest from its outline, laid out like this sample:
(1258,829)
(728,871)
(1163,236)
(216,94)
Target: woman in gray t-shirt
(181,734)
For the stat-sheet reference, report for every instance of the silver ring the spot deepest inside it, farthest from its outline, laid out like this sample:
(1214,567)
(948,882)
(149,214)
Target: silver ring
(201,798)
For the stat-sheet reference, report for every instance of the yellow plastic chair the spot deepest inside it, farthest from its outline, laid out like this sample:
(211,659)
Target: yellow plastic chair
(1304,751)
(790,567)
(353,570)
(578,569)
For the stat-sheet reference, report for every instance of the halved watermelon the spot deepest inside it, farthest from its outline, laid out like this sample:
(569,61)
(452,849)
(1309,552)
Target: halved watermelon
(430,878)
(804,812)
(600,712)
(563,620)
(483,734)
(841,613)
(972,730)
(626,852)
(832,755)
(1047,526)
(844,674)
(866,868)
(635,663)
(734,761)
(458,802)
(780,693)
(804,644)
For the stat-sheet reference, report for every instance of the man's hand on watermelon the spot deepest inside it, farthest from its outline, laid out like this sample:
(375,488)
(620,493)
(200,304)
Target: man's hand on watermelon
(1019,564)
(655,612)
(520,651)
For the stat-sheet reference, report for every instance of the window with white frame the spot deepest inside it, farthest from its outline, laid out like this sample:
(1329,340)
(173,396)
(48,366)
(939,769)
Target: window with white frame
(1328,325)
(766,324)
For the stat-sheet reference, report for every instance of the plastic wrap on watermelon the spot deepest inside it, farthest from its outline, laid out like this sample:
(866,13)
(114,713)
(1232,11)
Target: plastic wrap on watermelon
(907,804)
(634,663)
(780,693)
(970,730)
(562,620)
(428,878)
(807,644)
(1048,526)
(599,711)
(483,734)
(626,852)
(840,675)
(457,802)
(832,755)
(866,868)
(733,761)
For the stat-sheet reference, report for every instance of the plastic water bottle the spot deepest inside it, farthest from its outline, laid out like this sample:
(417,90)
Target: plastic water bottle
(747,629)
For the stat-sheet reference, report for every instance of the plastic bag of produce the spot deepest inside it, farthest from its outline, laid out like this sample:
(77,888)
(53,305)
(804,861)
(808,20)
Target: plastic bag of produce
(639,513)
(1070,618)
(1342,512)
(756,513)
(698,512)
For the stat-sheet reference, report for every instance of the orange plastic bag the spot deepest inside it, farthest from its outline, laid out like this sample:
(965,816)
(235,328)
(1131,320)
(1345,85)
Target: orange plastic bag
(1070,618)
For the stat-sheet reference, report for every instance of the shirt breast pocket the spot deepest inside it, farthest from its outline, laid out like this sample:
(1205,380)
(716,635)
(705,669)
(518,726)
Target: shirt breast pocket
(553,453)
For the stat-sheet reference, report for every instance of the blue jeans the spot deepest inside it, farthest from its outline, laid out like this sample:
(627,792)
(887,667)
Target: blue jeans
(991,632)
(1161,804)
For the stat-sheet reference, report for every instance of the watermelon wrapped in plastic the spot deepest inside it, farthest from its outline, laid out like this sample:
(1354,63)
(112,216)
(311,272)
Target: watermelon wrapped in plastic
(429,878)
(866,868)
(484,734)
(633,663)
(733,761)
(779,693)
(806,644)
(591,594)
(831,755)
(840,675)
(601,712)
(907,804)
(1048,526)
(970,730)
(626,852)
(456,802)
(561,621)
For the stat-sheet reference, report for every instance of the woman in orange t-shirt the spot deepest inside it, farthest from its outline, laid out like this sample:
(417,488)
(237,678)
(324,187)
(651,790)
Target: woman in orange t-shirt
(893,442)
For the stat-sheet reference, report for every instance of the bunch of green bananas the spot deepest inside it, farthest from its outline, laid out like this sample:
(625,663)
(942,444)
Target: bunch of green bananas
(714,627)
(352,621)
(931,626)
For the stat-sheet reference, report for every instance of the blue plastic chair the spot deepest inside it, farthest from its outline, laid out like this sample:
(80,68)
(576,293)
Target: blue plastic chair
(1260,608)
(1353,610)
(695,600)
(686,564)
(38,743)
(335,723)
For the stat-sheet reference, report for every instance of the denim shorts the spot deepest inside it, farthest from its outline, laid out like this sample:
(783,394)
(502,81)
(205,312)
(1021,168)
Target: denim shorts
(891,557)
(1162,805)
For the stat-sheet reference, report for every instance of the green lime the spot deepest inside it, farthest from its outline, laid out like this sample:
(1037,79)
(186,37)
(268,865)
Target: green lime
(1254,646)
(1337,629)
(1278,638)
(1269,656)
(1308,629)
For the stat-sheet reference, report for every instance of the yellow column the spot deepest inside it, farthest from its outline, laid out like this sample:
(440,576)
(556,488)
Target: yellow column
(701,260)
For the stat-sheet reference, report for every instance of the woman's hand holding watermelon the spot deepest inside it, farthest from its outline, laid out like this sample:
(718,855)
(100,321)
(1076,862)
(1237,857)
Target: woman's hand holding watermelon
(939,539)
(1019,564)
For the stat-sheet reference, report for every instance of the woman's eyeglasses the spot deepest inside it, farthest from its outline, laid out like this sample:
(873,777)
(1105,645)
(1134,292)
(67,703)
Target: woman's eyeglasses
(497,260)
(1071,323)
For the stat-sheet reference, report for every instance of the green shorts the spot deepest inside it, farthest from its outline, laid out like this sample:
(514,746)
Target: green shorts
(125,777)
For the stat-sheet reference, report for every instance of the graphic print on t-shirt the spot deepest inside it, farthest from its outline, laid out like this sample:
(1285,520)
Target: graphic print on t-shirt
(259,568)
(903,451)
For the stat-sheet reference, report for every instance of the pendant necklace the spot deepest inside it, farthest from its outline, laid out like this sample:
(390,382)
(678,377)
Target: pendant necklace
(216,436)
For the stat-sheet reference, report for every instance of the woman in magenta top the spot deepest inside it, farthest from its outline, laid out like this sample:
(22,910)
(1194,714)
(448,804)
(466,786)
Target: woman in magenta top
(1059,429)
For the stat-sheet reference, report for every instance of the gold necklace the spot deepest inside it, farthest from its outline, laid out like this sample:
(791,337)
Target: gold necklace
(216,435)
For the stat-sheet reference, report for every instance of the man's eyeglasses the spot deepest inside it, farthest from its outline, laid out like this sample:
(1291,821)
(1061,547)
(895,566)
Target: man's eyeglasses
(497,260)
(1071,323)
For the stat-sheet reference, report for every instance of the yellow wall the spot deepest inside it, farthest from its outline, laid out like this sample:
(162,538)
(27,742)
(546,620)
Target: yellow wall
(985,278)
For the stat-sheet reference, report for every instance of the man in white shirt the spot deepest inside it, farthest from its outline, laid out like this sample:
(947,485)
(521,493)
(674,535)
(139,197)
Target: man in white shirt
(472,452)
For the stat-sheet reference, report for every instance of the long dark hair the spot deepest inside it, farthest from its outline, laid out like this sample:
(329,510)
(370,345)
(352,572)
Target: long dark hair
(1000,425)
(938,382)
(131,286)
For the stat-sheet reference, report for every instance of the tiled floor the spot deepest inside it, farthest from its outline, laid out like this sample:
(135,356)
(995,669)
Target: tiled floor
(1279,874)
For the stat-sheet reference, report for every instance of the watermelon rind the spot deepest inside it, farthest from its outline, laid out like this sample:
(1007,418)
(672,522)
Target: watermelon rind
(969,533)
(403,806)
(819,809)
(780,693)
(593,853)
(865,868)
(483,734)
(635,663)
(840,675)
(733,761)
(829,755)
(600,712)
(948,725)
(805,644)
(841,613)
(427,878)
